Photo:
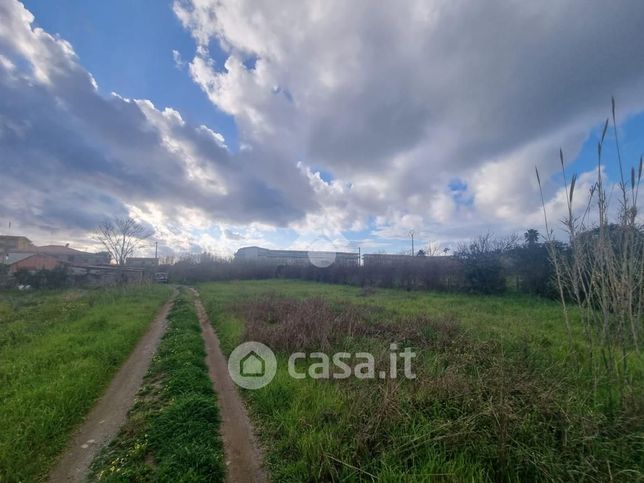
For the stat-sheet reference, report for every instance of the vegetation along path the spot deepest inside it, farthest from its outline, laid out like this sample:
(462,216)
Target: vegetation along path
(243,455)
(110,412)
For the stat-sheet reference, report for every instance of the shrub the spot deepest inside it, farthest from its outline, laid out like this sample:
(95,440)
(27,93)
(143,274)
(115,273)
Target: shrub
(533,268)
(482,260)
(51,279)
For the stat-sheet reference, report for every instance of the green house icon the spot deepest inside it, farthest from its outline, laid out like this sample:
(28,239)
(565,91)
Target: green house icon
(252,365)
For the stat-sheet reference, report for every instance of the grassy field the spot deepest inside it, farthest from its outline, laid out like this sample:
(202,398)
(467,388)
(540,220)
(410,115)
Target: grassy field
(497,395)
(58,351)
(172,430)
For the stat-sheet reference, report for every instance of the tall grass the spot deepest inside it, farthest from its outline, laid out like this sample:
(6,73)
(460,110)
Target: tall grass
(495,398)
(602,273)
(58,351)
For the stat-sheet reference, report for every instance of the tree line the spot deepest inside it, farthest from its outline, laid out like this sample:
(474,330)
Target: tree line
(484,265)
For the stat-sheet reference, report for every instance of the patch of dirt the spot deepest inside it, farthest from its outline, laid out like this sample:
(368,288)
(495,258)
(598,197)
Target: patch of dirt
(244,461)
(110,412)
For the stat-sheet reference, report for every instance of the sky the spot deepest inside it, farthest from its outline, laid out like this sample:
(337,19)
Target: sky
(309,125)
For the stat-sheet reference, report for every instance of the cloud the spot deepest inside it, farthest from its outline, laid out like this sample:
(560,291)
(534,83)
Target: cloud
(178,60)
(71,157)
(424,115)
(396,99)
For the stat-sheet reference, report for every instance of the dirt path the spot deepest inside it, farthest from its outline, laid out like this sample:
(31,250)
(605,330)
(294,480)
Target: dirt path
(243,456)
(110,412)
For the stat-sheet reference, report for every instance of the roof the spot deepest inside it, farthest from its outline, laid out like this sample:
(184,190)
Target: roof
(16,257)
(14,237)
(59,250)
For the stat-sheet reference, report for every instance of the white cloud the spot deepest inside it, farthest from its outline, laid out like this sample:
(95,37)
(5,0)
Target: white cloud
(70,157)
(178,60)
(395,100)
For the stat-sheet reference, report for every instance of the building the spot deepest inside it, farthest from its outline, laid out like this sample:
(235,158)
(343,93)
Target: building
(380,259)
(142,262)
(30,261)
(81,268)
(295,257)
(19,253)
(14,243)
(69,255)
(106,275)
(384,259)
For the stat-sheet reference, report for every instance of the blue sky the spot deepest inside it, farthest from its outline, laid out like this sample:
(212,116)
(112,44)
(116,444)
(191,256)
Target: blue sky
(631,140)
(348,124)
(128,47)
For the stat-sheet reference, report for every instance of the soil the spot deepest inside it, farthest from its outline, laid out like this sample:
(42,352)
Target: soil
(244,461)
(110,412)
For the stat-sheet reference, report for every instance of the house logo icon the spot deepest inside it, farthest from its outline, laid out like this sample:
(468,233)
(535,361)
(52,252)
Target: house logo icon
(252,365)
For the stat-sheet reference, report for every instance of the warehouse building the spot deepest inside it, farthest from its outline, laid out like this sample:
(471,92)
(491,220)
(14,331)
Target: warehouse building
(296,257)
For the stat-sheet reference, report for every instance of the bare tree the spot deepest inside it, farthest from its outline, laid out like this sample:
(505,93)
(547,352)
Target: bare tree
(122,237)
(433,249)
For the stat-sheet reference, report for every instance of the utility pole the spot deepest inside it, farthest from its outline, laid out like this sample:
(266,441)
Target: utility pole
(411,234)
(156,249)
(359,257)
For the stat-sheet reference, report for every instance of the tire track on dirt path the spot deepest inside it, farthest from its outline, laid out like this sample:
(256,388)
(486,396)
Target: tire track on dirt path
(244,461)
(110,412)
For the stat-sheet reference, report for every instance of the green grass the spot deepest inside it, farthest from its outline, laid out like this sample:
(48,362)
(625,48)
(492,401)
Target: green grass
(58,352)
(504,401)
(172,433)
